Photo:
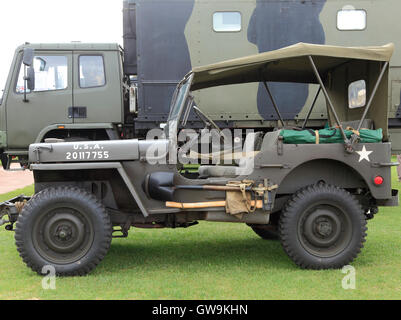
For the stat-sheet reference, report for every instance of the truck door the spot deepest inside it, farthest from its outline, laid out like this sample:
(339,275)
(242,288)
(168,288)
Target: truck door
(46,105)
(97,87)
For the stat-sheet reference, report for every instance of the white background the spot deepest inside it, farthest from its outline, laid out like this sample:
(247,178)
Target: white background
(50,21)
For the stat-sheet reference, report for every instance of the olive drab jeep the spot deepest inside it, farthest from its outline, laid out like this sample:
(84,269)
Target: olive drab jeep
(312,189)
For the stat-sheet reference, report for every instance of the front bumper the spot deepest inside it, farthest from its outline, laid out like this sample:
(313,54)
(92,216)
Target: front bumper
(12,209)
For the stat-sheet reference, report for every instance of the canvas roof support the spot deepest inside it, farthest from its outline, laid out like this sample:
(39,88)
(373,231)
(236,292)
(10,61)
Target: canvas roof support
(379,80)
(330,103)
(274,103)
(310,63)
(311,108)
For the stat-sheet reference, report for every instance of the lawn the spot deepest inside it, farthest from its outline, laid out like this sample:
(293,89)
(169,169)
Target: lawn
(212,261)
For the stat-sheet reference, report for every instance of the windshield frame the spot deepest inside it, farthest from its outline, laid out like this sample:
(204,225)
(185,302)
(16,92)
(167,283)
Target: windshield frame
(174,117)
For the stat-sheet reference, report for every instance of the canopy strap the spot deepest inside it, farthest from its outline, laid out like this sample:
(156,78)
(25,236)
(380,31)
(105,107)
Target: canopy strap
(317,136)
(353,131)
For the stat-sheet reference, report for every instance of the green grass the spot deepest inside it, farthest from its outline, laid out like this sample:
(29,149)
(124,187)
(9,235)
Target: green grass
(213,261)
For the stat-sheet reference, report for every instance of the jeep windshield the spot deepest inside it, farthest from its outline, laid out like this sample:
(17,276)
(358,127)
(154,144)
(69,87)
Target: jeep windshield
(177,105)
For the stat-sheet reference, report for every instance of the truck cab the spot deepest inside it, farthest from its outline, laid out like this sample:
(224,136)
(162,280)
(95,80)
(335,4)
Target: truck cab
(77,93)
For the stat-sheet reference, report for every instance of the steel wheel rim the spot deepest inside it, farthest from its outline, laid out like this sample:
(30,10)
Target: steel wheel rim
(324,229)
(63,235)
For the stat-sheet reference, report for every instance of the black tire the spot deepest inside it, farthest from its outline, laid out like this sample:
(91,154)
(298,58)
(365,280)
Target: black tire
(65,227)
(267,232)
(322,227)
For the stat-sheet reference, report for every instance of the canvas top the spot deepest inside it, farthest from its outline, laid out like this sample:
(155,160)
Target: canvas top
(289,64)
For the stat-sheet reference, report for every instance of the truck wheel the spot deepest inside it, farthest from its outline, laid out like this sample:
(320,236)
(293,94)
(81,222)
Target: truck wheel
(322,227)
(266,232)
(65,227)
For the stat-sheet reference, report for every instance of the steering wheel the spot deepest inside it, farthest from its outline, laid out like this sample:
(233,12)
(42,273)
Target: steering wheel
(207,121)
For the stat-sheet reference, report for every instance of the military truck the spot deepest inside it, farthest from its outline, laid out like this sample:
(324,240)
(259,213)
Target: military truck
(317,187)
(99,91)
(164,39)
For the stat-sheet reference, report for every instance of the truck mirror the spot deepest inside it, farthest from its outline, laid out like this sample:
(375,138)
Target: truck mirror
(133,90)
(27,59)
(30,78)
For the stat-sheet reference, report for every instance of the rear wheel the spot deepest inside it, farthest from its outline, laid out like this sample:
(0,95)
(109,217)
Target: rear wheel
(322,227)
(67,228)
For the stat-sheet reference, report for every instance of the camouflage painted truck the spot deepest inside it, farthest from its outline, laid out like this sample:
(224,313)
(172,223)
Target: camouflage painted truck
(317,187)
(202,32)
(101,91)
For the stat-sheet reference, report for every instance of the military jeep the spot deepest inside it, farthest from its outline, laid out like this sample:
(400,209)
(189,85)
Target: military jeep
(313,189)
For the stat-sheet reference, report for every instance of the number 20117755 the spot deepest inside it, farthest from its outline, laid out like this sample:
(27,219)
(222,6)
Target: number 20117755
(87,155)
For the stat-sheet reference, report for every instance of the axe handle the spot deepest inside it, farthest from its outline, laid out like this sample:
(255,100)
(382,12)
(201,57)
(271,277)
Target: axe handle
(224,188)
(213,188)
(201,205)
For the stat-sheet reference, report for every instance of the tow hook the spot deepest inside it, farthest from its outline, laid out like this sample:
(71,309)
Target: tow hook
(8,227)
(12,208)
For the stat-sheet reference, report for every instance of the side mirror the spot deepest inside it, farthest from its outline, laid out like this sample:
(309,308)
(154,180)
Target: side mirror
(27,59)
(30,79)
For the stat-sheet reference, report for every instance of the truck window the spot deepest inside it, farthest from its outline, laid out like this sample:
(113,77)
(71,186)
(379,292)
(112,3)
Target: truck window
(91,71)
(351,19)
(51,73)
(227,21)
(357,94)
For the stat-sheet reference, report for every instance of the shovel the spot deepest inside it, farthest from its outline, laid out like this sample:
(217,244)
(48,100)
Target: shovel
(160,186)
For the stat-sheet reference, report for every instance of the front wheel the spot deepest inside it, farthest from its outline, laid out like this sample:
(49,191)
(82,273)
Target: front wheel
(67,228)
(322,227)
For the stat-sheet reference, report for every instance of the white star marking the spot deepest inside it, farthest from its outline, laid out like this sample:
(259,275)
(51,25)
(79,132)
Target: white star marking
(364,154)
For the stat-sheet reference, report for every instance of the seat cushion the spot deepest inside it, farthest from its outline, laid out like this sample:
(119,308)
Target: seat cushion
(217,171)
